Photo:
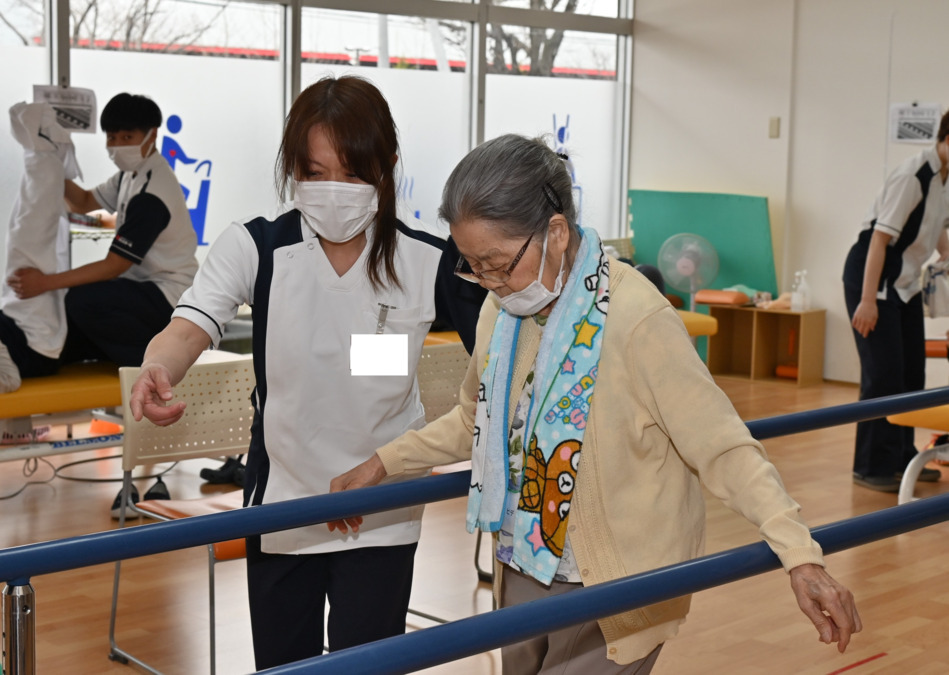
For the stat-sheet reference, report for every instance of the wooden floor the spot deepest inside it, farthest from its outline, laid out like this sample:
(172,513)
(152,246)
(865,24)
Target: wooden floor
(751,626)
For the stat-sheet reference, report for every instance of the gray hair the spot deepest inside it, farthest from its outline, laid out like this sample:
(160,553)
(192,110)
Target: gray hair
(516,182)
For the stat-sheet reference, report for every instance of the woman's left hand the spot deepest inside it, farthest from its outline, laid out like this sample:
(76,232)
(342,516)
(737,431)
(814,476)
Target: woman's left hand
(829,605)
(27,282)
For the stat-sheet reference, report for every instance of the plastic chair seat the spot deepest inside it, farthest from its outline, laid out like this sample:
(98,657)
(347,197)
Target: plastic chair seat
(174,509)
(936,418)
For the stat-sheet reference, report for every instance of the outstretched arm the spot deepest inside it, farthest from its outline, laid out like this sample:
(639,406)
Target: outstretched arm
(167,359)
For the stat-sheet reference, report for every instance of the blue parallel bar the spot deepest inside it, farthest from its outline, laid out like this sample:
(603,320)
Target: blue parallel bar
(808,420)
(19,563)
(481,633)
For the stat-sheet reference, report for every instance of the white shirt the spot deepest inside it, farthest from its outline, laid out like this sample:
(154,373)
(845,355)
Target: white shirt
(319,420)
(893,213)
(153,226)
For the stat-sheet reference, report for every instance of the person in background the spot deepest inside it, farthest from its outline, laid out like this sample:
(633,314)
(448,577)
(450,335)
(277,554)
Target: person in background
(114,306)
(882,289)
(338,265)
(591,424)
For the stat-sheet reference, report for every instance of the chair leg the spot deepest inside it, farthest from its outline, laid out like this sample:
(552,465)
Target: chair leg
(483,575)
(115,652)
(911,473)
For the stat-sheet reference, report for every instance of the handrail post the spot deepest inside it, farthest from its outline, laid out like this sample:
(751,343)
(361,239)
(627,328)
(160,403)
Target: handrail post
(19,630)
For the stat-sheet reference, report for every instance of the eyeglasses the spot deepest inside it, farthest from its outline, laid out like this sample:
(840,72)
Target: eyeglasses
(497,276)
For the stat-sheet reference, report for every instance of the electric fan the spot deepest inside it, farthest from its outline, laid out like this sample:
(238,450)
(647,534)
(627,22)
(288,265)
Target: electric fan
(688,263)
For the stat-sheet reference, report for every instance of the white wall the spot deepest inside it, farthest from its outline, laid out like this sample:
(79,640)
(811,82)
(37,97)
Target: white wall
(707,76)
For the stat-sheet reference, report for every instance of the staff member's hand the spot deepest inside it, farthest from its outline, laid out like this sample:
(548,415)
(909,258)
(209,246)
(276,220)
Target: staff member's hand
(827,604)
(865,317)
(27,282)
(368,473)
(151,395)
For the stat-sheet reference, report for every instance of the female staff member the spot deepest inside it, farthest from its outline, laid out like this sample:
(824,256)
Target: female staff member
(339,264)
(589,419)
(907,222)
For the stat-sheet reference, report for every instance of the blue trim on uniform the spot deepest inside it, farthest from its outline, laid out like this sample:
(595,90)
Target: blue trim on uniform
(268,236)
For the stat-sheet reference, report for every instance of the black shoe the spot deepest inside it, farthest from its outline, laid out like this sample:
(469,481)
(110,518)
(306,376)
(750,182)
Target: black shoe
(226,474)
(239,475)
(925,476)
(117,503)
(158,491)
(878,483)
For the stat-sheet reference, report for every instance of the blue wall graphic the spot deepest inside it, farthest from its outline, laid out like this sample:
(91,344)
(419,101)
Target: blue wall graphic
(173,153)
(561,136)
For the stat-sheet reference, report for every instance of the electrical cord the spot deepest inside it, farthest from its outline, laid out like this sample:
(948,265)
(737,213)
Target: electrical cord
(58,471)
(30,467)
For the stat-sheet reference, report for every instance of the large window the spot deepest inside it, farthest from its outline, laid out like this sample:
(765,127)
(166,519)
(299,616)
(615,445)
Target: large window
(419,65)
(223,71)
(214,69)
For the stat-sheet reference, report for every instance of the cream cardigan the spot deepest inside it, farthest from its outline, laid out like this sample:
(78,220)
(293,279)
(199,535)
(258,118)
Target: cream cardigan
(658,423)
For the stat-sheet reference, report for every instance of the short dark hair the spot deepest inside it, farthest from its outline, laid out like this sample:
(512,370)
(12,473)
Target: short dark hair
(943,128)
(130,112)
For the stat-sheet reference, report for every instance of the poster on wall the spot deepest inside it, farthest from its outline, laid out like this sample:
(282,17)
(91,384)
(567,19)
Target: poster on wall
(75,107)
(914,122)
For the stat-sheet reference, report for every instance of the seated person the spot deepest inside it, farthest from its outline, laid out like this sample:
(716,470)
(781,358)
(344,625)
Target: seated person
(116,305)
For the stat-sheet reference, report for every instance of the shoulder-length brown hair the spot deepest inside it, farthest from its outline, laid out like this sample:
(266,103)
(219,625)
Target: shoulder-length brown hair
(356,118)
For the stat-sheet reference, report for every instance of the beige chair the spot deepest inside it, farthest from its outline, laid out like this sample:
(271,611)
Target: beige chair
(623,246)
(441,370)
(215,424)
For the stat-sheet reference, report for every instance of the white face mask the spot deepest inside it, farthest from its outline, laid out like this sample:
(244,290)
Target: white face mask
(336,212)
(129,157)
(535,297)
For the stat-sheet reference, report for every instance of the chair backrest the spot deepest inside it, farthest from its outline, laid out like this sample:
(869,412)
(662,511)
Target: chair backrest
(623,246)
(215,423)
(441,370)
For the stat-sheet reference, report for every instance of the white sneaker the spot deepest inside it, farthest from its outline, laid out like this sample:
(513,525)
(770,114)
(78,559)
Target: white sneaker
(9,373)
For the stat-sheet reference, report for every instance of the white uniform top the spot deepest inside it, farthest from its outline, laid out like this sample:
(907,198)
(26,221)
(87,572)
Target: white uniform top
(912,207)
(318,420)
(38,235)
(153,226)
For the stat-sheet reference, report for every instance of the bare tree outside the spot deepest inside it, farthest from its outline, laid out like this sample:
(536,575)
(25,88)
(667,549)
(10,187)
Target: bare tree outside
(519,50)
(152,25)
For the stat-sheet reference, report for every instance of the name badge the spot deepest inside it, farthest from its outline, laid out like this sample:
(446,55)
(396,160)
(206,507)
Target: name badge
(376,355)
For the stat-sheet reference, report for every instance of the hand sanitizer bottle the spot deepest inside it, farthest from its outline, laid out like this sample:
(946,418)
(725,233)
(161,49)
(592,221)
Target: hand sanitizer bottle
(796,299)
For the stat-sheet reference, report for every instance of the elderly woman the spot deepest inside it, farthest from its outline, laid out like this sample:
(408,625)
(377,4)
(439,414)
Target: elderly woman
(579,488)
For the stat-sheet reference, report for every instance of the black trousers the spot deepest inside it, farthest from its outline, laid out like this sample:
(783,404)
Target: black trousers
(114,320)
(28,362)
(368,591)
(892,361)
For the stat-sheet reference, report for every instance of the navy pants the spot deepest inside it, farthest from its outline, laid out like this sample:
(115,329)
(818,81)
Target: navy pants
(892,361)
(114,320)
(368,591)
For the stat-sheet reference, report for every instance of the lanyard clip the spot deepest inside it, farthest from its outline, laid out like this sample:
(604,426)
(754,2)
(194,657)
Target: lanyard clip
(381,321)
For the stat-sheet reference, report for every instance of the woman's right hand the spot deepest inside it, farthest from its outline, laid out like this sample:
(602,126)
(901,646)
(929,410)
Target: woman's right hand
(865,317)
(151,394)
(366,474)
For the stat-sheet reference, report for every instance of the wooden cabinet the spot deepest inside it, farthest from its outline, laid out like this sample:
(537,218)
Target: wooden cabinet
(758,343)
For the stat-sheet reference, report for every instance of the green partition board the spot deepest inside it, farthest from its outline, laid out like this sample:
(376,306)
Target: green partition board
(737,226)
